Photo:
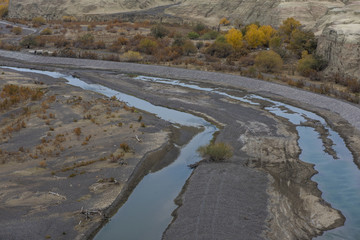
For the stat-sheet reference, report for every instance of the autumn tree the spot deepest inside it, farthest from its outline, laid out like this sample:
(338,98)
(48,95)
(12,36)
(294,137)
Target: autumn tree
(224,22)
(310,64)
(235,38)
(4,8)
(302,41)
(268,61)
(288,26)
(254,37)
(269,32)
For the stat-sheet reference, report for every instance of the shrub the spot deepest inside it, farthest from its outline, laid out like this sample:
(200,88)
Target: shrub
(132,56)
(77,131)
(85,41)
(179,40)
(189,47)
(69,19)
(17,30)
(118,44)
(210,35)
(159,31)
(193,35)
(28,42)
(38,21)
(46,31)
(219,49)
(216,152)
(125,147)
(147,46)
(199,27)
(268,61)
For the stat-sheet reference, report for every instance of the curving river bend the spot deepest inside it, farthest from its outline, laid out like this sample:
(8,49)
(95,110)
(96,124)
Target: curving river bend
(337,178)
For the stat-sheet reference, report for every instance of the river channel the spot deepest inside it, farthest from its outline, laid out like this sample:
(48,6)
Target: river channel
(148,210)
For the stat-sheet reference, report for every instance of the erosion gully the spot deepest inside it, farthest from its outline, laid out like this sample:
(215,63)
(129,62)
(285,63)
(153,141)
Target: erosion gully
(147,212)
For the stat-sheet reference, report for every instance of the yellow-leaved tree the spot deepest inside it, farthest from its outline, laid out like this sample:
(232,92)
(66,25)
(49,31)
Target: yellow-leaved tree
(288,26)
(4,6)
(269,32)
(254,36)
(224,22)
(235,38)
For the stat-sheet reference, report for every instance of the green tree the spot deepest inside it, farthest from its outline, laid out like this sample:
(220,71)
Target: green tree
(268,61)
(302,41)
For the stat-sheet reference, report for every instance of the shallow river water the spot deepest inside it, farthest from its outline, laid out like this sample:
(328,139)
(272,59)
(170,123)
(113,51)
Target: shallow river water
(148,210)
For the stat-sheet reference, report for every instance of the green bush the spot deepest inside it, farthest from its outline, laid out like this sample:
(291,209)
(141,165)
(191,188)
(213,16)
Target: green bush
(199,27)
(193,35)
(216,151)
(302,41)
(209,35)
(268,61)
(309,64)
(219,49)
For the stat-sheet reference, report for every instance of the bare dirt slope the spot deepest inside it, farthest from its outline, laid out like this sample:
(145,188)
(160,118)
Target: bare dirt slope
(57,9)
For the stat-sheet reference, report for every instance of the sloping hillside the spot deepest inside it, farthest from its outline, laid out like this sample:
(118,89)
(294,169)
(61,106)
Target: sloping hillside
(58,8)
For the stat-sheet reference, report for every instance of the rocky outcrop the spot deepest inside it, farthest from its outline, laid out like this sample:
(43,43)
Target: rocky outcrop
(339,41)
(55,9)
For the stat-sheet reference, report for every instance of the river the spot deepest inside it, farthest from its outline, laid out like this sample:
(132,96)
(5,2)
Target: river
(150,205)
